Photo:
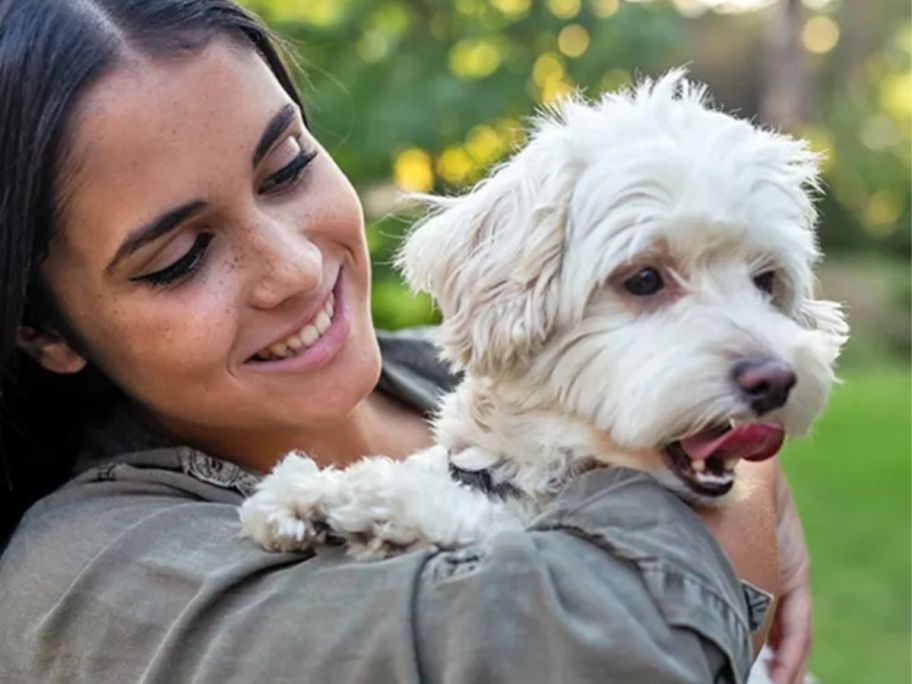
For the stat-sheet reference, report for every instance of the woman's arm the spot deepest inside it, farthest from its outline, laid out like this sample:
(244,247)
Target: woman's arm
(746,530)
(141,576)
(790,635)
(751,530)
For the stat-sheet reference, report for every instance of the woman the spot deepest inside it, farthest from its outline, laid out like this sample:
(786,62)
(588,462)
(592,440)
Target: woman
(169,228)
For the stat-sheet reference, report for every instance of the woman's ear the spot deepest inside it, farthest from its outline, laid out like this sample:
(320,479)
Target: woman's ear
(49,350)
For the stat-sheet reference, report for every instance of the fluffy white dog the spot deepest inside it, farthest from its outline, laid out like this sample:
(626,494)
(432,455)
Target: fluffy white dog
(634,287)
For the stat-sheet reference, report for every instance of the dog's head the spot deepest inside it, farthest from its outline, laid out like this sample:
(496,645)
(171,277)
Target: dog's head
(645,264)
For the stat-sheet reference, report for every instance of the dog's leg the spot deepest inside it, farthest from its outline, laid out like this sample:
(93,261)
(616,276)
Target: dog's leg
(377,506)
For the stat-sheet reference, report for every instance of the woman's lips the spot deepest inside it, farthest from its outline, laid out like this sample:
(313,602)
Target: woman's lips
(305,336)
(323,349)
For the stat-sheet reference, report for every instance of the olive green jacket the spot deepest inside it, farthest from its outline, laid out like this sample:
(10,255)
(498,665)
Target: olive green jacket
(136,571)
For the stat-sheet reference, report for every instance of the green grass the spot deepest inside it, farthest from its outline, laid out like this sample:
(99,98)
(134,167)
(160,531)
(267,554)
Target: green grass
(851,480)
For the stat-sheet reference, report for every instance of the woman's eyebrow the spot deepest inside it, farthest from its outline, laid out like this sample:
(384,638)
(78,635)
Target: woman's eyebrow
(152,231)
(277,125)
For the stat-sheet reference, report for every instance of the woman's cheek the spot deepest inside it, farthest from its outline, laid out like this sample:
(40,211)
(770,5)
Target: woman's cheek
(203,334)
(189,335)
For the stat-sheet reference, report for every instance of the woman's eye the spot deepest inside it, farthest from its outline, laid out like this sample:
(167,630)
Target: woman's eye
(764,281)
(289,174)
(181,269)
(644,283)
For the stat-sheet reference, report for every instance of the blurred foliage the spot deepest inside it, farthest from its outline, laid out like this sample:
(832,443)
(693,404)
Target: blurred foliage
(428,92)
(863,126)
(421,95)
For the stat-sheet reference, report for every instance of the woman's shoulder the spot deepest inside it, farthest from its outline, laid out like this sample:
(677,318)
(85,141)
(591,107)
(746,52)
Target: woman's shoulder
(138,496)
(413,370)
(103,573)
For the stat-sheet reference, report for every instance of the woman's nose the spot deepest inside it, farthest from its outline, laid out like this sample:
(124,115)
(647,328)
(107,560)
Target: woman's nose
(286,264)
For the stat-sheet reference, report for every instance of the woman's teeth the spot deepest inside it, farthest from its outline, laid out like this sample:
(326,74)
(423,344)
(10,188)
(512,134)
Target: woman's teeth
(304,338)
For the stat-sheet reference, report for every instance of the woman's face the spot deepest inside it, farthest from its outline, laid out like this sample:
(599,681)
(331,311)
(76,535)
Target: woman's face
(203,224)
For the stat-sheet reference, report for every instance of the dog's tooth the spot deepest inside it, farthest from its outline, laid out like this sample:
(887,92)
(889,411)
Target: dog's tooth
(730,463)
(295,343)
(698,466)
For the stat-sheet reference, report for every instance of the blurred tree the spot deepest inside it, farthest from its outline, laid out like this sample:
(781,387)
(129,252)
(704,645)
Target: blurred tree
(787,93)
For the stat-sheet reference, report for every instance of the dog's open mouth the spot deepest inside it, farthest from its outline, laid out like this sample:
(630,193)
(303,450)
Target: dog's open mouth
(706,461)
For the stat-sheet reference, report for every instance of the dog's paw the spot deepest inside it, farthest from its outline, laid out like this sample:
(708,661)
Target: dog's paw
(285,513)
(366,548)
(281,529)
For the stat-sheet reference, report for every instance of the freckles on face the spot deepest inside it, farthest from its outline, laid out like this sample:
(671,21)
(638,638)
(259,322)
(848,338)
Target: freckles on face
(204,223)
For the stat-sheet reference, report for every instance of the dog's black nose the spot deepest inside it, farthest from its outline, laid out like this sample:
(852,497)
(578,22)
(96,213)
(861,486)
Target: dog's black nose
(765,383)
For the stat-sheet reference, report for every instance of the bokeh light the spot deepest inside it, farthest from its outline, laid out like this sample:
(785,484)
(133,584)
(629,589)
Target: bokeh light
(564,9)
(605,8)
(513,8)
(820,34)
(573,40)
(412,170)
(474,59)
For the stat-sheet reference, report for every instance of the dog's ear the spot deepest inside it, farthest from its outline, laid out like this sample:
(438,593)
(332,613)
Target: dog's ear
(826,317)
(492,260)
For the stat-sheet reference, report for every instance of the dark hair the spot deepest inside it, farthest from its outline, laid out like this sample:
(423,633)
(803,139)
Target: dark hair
(51,52)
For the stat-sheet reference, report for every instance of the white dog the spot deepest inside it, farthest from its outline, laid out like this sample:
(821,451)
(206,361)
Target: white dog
(634,287)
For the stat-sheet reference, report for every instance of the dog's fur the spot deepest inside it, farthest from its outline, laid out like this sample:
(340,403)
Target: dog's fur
(564,369)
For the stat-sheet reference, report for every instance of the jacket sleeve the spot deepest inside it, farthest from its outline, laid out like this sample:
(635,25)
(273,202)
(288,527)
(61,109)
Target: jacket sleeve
(122,580)
(618,582)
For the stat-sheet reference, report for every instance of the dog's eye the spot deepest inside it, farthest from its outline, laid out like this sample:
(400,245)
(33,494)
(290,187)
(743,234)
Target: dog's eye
(764,281)
(644,283)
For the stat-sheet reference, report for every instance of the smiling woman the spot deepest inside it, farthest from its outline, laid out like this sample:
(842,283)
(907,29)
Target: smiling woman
(185,297)
(246,228)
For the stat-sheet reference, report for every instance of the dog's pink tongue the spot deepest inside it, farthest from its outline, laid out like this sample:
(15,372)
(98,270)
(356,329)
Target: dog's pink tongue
(753,442)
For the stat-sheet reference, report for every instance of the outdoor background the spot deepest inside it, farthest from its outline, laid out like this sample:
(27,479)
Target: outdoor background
(425,95)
